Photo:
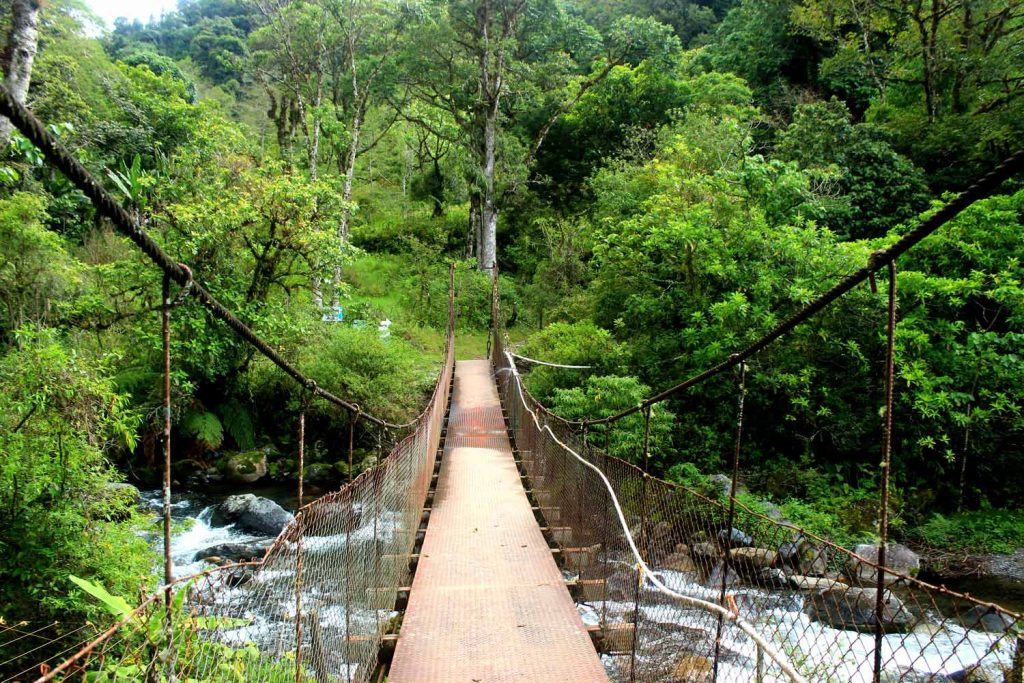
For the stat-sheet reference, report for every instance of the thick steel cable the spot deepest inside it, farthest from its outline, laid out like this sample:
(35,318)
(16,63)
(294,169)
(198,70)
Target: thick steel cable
(883,512)
(34,130)
(731,516)
(647,574)
(979,190)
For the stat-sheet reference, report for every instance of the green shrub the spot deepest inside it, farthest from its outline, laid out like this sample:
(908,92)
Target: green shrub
(58,416)
(981,531)
(580,343)
(606,395)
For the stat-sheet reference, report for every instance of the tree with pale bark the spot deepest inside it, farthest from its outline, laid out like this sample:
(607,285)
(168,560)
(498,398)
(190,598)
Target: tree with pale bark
(504,71)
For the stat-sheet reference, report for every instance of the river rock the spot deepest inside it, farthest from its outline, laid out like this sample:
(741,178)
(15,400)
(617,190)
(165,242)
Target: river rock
(734,539)
(849,608)
(977,674)
(981,618)
(692,669)
(679,562)
(716,575)
(319,474)
(233,552)
(771,577)
(813,584)
(244,468)
(898,557)
(904,675)
(252,514)
(330,517)
(723,484)
(752,559)
(803,557)
(621,585)
(660,542)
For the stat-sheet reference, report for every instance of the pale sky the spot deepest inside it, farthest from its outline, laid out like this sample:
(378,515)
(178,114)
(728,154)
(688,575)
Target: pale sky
(133,9)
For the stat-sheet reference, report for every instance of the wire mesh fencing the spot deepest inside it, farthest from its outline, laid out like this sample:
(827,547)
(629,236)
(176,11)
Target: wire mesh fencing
(681,582)
(316,608)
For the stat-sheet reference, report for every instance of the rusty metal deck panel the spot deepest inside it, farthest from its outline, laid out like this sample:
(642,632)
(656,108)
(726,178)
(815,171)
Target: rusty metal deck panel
(488,603)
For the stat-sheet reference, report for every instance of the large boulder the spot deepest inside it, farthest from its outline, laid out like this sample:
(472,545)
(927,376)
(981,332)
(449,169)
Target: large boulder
(803,557)
(233,552)
(252,514)
(983,618)
(849,608)
(898,558)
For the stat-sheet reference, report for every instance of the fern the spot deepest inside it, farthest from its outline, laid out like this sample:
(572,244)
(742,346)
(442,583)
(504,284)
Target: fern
(204,427)
(238,423)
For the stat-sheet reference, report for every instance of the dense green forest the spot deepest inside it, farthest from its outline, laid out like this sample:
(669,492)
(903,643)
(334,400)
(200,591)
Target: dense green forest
(659,182)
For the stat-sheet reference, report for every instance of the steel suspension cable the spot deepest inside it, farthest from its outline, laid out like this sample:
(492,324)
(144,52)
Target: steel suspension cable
(108,207)
(981,188)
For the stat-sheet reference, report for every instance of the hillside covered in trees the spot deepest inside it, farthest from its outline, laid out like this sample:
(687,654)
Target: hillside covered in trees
(658,182)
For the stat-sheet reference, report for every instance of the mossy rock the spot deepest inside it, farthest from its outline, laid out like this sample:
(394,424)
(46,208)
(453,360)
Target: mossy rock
(245,467)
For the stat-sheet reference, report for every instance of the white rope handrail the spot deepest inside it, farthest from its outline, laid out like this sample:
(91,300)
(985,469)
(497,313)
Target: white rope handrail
(549,365)
(646,573)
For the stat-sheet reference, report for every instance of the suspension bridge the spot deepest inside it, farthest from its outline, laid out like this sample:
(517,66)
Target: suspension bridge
(499,542)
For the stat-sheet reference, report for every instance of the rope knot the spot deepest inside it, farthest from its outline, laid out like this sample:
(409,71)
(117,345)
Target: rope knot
(873,265)
(874,260)
(314,391)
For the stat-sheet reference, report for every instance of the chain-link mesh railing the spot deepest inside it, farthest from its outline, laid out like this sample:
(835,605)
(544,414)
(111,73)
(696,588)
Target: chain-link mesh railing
(318,605)
(656,564)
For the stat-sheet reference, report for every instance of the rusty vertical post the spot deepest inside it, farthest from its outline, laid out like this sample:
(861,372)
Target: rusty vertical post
(348,589)
(643,541)
(730,519)
(351,441)
(883,513)
(1017,674)
(302,452)
(168,564)
(300,528)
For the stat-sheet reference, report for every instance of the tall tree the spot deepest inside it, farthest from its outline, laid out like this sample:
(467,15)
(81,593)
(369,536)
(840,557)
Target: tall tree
(958,52)
(505,71)
(18,55)
(367,36)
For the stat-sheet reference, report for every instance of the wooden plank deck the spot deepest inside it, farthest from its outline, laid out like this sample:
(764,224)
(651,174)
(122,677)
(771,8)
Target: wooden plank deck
(488,602)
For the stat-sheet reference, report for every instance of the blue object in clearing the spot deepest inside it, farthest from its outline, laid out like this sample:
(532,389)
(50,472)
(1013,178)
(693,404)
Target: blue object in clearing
(334,316)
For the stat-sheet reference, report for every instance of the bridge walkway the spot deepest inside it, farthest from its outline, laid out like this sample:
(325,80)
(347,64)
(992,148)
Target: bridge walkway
(488,602)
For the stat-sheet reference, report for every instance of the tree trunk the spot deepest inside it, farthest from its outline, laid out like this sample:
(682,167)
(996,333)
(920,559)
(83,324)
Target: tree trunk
(437,190)
(487,256)
(22,43)
(473,229)
(346,197)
